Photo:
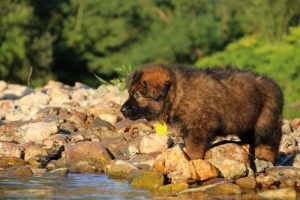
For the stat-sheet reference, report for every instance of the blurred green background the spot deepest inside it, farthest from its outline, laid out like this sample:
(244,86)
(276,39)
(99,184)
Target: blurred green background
(73,40)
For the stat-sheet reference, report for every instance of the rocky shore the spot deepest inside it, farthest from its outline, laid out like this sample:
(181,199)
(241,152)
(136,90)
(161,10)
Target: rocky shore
(59,129)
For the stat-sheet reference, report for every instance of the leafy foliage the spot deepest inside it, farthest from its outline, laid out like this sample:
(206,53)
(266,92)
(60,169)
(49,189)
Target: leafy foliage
(279,60)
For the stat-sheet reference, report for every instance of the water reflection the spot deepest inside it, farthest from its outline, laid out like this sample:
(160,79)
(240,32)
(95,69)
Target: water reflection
(73,186)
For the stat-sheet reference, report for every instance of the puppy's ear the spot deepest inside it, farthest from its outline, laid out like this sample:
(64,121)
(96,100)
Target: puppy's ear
(157,90)
(134,78)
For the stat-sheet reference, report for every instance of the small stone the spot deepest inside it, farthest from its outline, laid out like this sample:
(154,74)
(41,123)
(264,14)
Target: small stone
(10,149)
(130,150)
(143,161)
(20,171)
(229,151)
(3,85)
(83,167)
(59,171)
(121,168)
(295,123)
(155,143)
(38,171)
(230,169)
(288,144)
(34,99)
(111,118)
(286,127)
(39,131)
(148,180)
(246,182)
(284,193)
(266,181)
(262,165)
(171,189)
(33,151)
(15,91)
(224,188)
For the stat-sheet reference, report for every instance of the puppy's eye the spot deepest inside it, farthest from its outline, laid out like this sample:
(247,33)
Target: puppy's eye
(137,95)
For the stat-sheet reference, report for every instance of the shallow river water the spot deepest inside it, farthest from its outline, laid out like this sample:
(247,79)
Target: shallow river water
(72,186)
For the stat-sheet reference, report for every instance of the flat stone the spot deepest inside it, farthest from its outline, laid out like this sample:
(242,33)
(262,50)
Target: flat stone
(7,161)
(230,169)
(10,149)
(148,180)
(20,171)
(246,182)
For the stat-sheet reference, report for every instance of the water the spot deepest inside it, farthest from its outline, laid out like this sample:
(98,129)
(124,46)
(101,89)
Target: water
(72,186)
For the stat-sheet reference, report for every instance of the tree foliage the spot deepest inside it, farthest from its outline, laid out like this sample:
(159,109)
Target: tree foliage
(73,40)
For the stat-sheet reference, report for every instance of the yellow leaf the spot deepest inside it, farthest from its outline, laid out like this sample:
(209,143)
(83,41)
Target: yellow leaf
(161,129)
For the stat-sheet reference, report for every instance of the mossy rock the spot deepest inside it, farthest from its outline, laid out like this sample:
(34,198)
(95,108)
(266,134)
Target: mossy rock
(148,180)
(171,189)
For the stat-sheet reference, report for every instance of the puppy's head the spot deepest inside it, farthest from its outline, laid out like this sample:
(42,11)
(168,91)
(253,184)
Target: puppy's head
(148,93)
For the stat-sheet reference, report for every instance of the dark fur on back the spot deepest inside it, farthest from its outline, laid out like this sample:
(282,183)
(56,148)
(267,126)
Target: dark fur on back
(210,102)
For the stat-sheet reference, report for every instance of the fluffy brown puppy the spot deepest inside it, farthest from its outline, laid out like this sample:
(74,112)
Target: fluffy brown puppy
(208,103)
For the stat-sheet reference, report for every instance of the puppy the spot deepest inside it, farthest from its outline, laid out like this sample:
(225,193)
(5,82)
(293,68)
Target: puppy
(206,103)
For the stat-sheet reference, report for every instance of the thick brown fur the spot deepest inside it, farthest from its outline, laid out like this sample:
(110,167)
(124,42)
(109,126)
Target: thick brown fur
(207,103)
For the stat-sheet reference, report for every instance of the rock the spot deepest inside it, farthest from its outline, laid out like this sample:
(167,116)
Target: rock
(229,151)
(296,161)
(14,91)
(284,193)
(224,188)
(10,149)
(82,167)
(130,150)
(288,144)
(219,188)
(39,131)
(38,171)
(155,143)
(8,161)
(116,146)
(168,160)
(59,171)
(20,171)
(295,123)
(111,118)
(202,170)
(143,161)
(55,164)
(230,169)
(56,140)
(266,181)
(148,180)
(121,168)
(34,99)
(171,189)
(3,85)
(262,165)
(286,127)
(246,182)
(92,152)
(33,151)
(58,96)
(284,171)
